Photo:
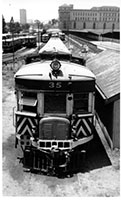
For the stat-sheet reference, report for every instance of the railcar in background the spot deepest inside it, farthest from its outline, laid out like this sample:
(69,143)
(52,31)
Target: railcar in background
(62,36)
(56,32)
(6,36)
(28,41)
(54,117)
(13,43)
(45,37)
(31,41)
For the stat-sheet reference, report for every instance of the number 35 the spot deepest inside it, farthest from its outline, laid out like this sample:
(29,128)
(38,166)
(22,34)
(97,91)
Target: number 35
(55,85)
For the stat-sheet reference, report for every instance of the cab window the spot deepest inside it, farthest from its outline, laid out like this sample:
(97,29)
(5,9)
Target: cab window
(80,103)
(55,103)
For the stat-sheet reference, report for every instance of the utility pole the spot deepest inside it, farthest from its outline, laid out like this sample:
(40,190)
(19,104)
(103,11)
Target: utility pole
(113,26)
(38,26)
(12,29)
(67,25)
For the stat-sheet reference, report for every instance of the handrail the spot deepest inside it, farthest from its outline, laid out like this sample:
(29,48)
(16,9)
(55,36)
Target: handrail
(14,123)
(104,130)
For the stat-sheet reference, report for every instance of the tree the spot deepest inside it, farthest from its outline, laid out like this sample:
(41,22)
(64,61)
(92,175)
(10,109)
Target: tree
(17,27)
(54,21)
(25,27)
(4,30)
(12,25)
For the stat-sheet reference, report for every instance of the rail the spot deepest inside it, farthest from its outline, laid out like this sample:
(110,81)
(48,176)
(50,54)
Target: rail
(110,40)
(20,54)
(82,42)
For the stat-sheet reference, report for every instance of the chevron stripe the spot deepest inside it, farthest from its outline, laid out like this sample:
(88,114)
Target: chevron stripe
(87,125)
(90,122)
(18,120)
(31,122)
(25,130)
(83,126)
(81,130)
(21,124)
(25,124)
(78,123)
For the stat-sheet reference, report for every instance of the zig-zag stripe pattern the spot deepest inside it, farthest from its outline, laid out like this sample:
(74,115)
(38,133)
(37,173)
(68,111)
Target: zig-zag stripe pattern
(24,125)
(84,127)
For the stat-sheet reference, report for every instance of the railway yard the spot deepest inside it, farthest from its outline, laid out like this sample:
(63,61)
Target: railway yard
(99,177)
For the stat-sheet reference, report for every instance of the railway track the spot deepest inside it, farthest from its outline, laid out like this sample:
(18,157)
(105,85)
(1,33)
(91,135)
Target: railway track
(80,42)
(6,58)
(73,42)
(21,53)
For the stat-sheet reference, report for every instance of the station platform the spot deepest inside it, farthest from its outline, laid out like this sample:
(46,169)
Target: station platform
(107,45)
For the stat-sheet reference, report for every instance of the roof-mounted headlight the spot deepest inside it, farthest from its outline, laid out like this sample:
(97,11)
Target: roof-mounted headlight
(55,65)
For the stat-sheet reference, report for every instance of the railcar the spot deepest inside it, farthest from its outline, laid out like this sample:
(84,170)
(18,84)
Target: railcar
(62,36)
(45,37)
(12,44)
(30,41)
(54,116)
(57,33)
(6,36)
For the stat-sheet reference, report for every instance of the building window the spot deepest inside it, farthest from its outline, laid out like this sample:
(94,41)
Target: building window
(64,25)
(74,25)
(104,26)
(94,25)
(84,25)
(113,27)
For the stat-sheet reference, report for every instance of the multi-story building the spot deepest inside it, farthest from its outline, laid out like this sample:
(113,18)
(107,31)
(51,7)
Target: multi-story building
(64,16)
(105,17)
(23,18)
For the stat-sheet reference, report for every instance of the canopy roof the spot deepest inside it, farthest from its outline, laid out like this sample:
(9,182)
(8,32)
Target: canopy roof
(106,67)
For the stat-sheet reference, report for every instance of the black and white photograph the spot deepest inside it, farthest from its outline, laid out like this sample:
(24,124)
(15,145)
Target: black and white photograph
(60,99)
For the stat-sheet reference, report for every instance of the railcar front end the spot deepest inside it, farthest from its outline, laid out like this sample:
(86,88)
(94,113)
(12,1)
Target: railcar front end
(54,118)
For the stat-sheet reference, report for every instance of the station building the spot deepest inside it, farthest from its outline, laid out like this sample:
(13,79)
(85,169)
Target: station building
(105,18)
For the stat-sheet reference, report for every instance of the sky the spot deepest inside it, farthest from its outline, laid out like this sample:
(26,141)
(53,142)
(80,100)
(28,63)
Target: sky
(45,10)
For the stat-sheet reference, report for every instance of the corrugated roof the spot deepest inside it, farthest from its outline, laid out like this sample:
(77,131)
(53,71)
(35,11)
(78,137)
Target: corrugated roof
(106,67)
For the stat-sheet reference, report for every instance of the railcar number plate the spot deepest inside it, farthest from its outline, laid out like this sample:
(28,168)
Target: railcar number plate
(55,85)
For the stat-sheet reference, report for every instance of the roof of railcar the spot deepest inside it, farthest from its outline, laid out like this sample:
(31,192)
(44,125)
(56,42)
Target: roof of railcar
(57,30)
(54,45)
(41,71)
